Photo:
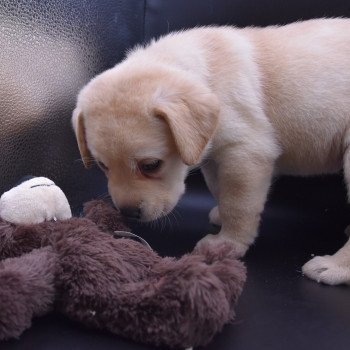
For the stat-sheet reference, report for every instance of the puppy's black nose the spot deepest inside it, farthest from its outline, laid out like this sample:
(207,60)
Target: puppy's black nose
(131,212)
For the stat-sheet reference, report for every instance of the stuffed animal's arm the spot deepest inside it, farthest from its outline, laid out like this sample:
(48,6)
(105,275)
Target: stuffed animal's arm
(18,240)
(183,303)
(26,290)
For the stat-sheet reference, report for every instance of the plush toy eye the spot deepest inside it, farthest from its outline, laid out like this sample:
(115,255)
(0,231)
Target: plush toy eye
(150,166)
(102,166)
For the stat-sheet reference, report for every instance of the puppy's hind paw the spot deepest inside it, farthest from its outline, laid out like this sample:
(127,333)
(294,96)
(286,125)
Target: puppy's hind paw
(327,270)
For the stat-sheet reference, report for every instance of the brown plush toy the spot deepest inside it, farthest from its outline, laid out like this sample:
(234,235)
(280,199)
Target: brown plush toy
(77,267)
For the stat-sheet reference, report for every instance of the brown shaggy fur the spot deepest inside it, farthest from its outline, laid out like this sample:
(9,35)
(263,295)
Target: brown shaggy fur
(114,284)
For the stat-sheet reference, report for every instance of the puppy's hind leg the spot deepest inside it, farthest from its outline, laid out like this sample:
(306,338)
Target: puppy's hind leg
(333,269)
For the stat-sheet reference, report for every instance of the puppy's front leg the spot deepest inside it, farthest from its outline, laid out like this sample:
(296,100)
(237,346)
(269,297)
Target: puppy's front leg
(209,171)
(243,181)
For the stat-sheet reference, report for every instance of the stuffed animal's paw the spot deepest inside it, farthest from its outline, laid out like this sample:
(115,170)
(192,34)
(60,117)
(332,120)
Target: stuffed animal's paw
(328,270)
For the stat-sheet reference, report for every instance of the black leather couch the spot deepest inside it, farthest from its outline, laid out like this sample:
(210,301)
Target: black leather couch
(50,49)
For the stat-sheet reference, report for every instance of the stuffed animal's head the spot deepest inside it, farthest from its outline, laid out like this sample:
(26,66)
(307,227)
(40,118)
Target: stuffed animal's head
(33,201)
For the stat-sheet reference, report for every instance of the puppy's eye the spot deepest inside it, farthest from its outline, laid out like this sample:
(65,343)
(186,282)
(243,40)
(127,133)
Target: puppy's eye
(102,166)
(150,166)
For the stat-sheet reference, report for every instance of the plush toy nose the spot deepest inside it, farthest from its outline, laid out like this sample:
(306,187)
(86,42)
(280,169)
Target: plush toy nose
(131,212)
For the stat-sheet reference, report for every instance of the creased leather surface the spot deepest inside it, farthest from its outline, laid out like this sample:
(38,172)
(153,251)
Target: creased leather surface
(48,51)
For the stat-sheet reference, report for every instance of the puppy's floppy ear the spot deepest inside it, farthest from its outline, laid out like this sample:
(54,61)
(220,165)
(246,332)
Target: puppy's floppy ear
(79,129)
(192,112)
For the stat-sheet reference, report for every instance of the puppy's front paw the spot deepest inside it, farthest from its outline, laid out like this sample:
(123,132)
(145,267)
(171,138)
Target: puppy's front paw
(239,248)
(214,216)
(327,270)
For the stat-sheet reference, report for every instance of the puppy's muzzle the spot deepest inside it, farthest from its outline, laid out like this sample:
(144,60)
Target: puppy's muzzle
(131,212)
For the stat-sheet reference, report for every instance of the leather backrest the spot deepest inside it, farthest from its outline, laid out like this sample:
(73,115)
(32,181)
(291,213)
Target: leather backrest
(164,16)
(50,49)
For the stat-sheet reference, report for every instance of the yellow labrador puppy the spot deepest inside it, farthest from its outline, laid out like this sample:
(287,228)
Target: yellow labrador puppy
(244,105)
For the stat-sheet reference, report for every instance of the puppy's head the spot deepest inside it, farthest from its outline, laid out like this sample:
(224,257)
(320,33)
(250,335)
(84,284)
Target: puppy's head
(144,128)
